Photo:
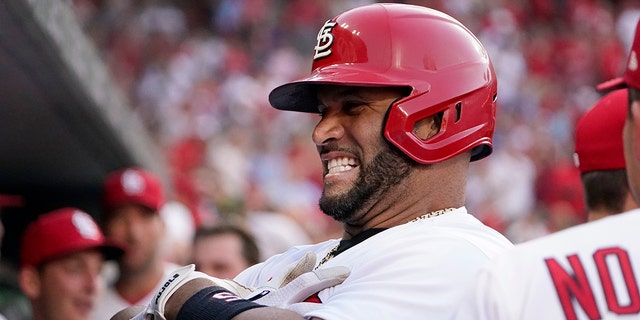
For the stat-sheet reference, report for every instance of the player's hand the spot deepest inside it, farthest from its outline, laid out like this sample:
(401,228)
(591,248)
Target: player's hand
(305,264)
(298,284)
(155,309)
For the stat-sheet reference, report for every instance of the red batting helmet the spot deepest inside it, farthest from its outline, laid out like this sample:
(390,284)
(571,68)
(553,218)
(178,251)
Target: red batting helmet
(444,64)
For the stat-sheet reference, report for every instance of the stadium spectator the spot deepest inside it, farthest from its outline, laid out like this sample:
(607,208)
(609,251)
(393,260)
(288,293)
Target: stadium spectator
(133,198)
(223,251)
(599,156)
(61,258)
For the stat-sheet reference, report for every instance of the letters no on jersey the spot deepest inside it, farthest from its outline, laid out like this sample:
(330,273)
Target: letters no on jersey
(589,271)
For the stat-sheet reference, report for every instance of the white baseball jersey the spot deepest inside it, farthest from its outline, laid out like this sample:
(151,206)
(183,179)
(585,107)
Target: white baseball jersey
(417,270)
(590,271)
(110,302)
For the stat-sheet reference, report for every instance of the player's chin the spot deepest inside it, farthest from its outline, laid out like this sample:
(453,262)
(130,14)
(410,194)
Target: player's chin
(335,190)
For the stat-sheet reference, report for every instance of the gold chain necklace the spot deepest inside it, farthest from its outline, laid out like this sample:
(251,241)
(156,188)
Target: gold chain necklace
(432,214)
(329,255)
(427,215)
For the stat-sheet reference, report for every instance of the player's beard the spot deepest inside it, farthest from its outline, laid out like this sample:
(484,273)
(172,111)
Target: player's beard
(388,168)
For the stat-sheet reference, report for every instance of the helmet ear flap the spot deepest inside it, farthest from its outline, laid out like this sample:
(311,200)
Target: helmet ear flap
(409,126)
(422,129)
(484,149)
(463,124)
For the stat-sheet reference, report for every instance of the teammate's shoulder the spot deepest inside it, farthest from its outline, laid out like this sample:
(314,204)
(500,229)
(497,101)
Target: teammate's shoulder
(615,229)
(607,227)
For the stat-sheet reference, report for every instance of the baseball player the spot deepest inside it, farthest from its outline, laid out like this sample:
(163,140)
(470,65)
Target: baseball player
(590,271)
(132,200)
(223,251)
(406,98)
(61,257)
(599,156)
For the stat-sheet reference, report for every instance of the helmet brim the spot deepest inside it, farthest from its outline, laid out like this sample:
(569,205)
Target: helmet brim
(613,84)
(301,95)
(295,96)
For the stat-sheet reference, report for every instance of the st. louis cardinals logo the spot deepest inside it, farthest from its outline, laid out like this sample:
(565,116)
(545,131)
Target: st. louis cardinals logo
(325,40)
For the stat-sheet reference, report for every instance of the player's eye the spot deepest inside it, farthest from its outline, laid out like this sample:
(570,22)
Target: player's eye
(353,107)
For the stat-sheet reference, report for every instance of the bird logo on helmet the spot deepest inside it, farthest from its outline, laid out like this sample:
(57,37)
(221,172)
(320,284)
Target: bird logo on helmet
(407,46)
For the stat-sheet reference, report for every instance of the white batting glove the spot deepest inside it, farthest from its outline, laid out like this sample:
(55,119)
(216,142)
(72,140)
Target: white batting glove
(301,287)
(305,264)
(299,283)
(296,285)
(155,309)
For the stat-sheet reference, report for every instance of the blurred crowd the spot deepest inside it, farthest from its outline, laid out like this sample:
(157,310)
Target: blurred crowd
(198,72)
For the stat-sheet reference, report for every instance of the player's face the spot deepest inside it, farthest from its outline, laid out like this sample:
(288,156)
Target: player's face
(139,230)
(219,256)
(69,286)
(359,165)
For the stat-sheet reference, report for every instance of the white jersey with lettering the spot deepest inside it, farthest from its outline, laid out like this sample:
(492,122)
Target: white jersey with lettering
(417,270)
(590,271)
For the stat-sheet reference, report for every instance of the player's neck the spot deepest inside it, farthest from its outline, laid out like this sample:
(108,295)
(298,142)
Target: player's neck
(352,231)
(425,189)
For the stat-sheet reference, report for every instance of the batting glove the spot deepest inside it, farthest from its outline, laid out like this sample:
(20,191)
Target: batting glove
(299,283)
(155,309)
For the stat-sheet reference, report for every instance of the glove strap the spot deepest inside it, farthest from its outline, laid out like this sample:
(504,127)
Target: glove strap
(215,303)
(177,278)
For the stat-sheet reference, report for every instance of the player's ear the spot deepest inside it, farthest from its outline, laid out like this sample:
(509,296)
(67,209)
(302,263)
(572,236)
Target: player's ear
(29,281)
(428,127)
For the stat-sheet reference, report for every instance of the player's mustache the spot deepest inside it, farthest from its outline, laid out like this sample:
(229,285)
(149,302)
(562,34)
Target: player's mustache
(331,147)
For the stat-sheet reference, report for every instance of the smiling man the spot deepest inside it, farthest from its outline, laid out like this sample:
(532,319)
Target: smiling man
(407,99)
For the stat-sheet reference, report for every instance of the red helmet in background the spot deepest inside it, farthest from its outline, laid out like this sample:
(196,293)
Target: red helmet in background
(439,59)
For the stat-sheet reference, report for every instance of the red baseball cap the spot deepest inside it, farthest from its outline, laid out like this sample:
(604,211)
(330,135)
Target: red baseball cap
(133,185)
(598,140)
(631,76)
(61,232)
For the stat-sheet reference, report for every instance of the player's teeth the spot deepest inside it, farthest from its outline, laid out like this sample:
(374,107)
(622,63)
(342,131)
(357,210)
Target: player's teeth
(340,164)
